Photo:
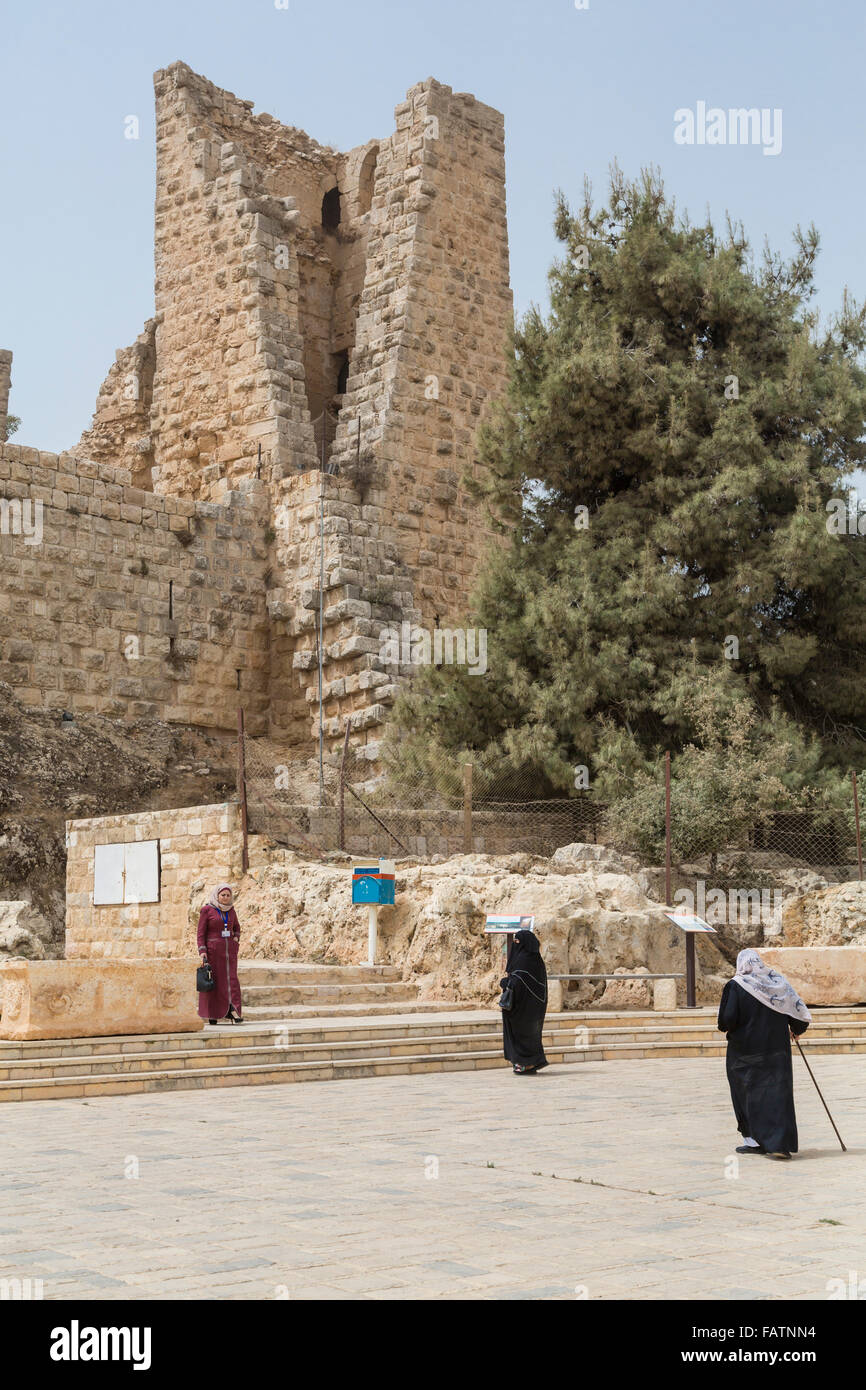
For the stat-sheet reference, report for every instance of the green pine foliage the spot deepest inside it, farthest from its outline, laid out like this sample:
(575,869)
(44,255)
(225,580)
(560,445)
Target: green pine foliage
(660,472)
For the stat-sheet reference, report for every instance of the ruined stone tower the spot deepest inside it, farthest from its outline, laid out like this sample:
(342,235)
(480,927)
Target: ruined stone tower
(330,330)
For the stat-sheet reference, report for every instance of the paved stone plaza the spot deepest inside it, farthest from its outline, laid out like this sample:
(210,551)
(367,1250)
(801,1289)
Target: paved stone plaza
(598,1180)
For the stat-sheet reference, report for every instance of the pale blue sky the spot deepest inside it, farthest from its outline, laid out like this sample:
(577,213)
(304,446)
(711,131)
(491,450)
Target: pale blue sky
(578,88)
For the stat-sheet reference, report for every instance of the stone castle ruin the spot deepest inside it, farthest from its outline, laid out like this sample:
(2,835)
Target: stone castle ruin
(290,429)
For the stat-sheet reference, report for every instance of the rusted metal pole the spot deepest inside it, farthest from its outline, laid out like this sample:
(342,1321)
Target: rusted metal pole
(242,788)
(343,788)
(690,936)
(321,630)
(668,828)
(467,808)
(857,824)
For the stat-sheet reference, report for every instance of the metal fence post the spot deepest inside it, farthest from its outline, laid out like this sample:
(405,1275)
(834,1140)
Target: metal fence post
(690,936)
(343,788)
(857,824)
(242,789)
(668,829)
(467,808)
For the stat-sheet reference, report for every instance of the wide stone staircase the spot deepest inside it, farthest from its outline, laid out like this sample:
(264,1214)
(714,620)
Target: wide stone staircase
(321,1023)
(278,990)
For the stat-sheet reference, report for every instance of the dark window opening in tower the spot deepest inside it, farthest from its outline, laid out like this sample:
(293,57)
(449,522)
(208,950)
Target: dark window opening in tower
(342,365)
(367,181)
(331,210)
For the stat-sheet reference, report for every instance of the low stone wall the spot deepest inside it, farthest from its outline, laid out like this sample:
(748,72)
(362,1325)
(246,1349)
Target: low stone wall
(822,974)
(94,999)
(196,842)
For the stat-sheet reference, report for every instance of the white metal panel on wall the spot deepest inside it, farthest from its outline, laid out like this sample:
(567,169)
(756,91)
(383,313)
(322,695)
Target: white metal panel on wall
(108,874)
(141,872)
(126,873)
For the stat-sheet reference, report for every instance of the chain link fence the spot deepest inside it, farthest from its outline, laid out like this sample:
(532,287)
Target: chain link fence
(350,806)
(346,807)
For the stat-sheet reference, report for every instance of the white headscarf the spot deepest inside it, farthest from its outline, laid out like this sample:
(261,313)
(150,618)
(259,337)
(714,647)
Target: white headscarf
(769,986)
(214,898)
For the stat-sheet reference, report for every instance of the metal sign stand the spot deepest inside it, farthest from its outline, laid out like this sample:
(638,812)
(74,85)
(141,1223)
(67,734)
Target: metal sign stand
(372,932)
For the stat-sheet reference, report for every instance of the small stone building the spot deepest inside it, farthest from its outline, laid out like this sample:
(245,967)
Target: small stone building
(192,844)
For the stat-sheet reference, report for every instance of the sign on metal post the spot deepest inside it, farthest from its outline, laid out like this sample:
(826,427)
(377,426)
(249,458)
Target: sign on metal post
(691,925)
(497,923)
(373,882)
(505,925)
(373,885)
(688,922)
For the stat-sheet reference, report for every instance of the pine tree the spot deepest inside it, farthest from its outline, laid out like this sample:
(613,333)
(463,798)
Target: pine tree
(661,472)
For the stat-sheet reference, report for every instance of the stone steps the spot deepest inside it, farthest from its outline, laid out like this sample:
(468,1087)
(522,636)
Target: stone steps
(687,1018)
(259,996)
(273,1013)
(431,1019)
(287,972)
(558,1045)
(338,1048)
(277,989)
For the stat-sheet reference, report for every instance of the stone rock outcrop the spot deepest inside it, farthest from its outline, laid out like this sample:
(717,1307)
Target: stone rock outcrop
(831,916)
(23,930)
(583,856)
(589,919)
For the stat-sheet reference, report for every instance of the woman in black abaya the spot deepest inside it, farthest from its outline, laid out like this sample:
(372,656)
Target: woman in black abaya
(522,1024)
(759,1011)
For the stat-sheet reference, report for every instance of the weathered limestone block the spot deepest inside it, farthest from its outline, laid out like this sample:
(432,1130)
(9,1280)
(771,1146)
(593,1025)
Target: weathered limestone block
(822,974)
(555,996)
(664,995)
(94,999)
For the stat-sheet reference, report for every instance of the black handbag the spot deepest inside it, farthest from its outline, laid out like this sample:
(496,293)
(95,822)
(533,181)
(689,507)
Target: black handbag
(204,980)
(506,999)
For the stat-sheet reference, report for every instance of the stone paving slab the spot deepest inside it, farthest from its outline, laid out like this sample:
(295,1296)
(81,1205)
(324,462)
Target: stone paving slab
(605,1181)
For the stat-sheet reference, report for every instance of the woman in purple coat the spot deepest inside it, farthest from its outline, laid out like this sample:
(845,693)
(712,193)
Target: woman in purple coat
(219,932)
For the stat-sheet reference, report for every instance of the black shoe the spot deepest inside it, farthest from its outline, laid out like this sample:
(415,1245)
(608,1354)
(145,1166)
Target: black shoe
(213,1022)
(779,1155)
(750,1149)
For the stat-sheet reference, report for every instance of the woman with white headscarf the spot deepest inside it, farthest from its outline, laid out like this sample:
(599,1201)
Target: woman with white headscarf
(759,1012)
(219,932)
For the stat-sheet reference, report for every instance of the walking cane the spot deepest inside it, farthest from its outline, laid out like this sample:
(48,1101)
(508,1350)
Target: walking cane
(818,1089)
